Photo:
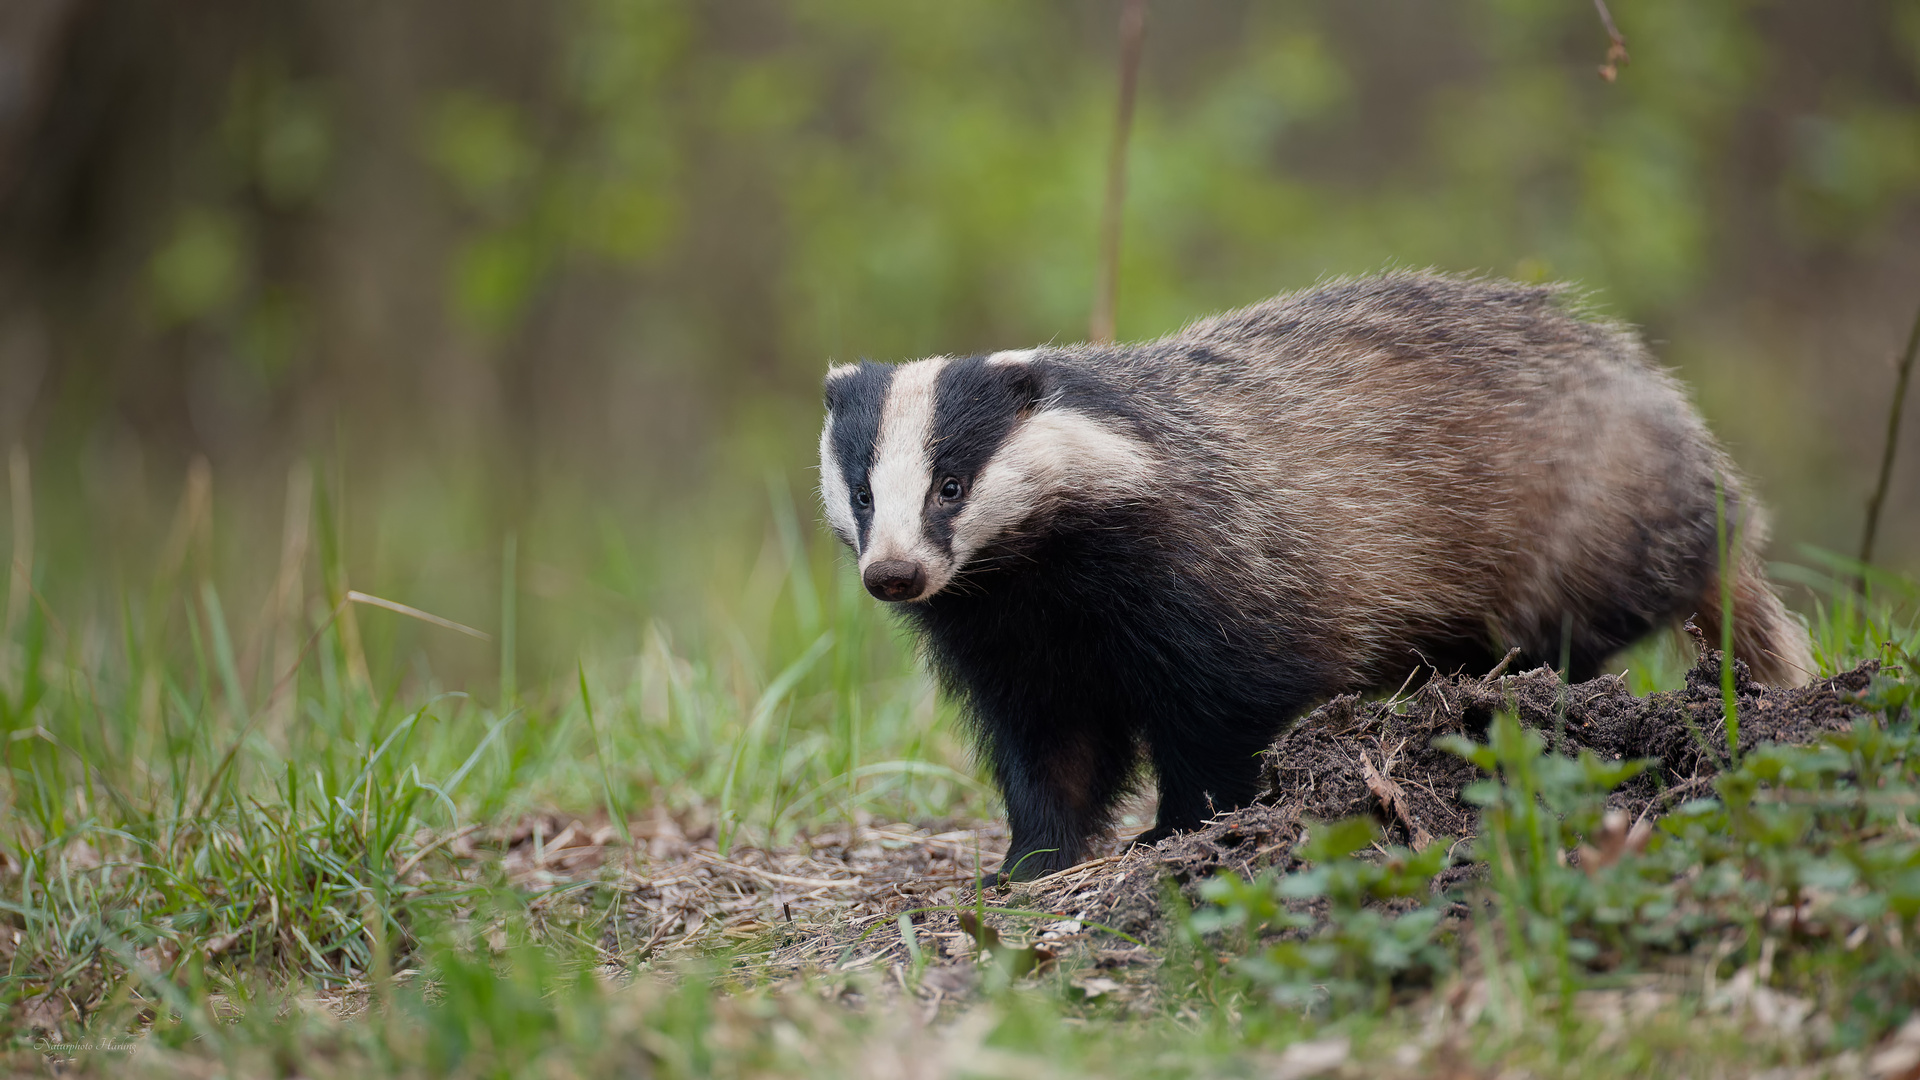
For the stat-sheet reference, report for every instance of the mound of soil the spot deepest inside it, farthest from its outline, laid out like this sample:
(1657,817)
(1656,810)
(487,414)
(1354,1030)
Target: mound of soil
(1352,757)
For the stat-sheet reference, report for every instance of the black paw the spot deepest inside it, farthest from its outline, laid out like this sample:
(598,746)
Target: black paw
(1028,865)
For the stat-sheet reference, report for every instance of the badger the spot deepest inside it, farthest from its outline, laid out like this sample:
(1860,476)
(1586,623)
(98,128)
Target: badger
(1171,550)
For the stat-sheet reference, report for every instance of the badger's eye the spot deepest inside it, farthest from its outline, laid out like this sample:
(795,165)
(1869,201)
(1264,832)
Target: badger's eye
(862,497)
(951,489)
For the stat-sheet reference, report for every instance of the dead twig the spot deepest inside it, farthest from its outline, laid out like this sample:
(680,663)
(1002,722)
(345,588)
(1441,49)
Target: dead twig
(780,879)
(407,867)
(1081,869)
(1500,668)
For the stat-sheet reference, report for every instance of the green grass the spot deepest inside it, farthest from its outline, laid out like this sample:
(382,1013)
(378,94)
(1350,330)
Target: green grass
(174,827)
(227,848)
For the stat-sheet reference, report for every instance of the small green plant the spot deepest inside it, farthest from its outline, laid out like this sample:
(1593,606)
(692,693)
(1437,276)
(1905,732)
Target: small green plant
(1810,844)
(1535,807)
(1797,844)
(1804,845)
(1359,947)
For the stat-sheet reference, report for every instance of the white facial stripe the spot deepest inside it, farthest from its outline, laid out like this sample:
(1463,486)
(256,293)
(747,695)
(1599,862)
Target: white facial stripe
(903,468)
(840,371)
(1054,453)
(834,495)
(1010,356)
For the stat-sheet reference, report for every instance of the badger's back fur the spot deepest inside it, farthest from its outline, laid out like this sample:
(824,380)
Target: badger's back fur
(1183,544)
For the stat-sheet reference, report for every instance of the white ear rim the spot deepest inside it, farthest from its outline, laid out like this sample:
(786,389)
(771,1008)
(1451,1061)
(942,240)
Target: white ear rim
(835,498)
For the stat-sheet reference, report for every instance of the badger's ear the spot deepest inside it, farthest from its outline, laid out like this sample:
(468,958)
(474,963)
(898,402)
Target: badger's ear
(1025,376)
(838,382)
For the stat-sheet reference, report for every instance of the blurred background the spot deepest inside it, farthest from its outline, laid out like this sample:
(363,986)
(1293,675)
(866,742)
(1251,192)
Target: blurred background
(516,302)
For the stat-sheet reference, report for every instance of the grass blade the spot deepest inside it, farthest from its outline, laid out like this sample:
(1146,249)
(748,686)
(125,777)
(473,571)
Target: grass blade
(606,781)
(370,600)
(770,699)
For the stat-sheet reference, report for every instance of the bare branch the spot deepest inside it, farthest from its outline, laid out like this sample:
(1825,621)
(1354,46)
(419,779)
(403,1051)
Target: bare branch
(1617,51)
(1133,23)
(1886,454)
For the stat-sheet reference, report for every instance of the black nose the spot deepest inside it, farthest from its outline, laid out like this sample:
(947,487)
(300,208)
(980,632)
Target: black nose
(895,579)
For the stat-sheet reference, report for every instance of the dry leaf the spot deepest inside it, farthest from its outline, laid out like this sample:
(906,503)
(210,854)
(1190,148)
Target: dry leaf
(1899,1057)
(1615,840)
(1308,1059)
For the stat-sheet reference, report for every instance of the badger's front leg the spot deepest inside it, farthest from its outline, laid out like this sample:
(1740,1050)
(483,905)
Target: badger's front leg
(1203,769)
(1060,780)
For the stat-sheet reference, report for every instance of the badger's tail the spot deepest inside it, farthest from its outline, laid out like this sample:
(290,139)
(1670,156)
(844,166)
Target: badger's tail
(1765,635)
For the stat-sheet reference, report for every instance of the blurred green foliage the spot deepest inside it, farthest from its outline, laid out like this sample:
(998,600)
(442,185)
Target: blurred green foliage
(571,271)
(199,270)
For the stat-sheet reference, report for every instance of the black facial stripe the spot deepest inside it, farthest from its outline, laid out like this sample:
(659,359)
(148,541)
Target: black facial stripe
(856,401)
(975,408)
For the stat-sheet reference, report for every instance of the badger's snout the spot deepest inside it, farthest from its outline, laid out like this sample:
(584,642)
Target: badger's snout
(895,579)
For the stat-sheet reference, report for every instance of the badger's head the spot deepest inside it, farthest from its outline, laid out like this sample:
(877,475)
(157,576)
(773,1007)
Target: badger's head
(927,465)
